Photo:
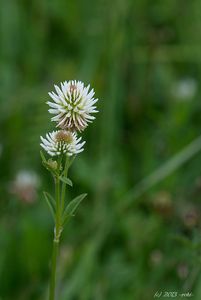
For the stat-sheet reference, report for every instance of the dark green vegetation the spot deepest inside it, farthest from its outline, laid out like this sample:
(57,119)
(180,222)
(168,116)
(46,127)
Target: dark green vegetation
(144,60)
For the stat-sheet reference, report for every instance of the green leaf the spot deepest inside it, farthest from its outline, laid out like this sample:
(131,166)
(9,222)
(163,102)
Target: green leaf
(50,202)
(71,160)
(66,180)
(43,157)
(51,199)
(72,206)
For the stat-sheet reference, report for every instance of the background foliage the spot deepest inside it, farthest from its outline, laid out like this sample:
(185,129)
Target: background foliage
(136,233)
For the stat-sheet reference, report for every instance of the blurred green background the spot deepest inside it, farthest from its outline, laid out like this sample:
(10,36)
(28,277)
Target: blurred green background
(138,231)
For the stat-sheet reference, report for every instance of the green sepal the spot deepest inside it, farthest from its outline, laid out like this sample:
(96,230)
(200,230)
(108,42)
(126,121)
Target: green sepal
(72,206)
(50,202)
(66,180)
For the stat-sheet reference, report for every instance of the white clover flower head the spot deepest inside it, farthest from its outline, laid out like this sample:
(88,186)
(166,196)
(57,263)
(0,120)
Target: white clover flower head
(72,105)
(61,142)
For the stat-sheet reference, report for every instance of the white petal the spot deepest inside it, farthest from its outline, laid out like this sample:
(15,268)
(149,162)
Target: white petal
(53,111)
(54,105)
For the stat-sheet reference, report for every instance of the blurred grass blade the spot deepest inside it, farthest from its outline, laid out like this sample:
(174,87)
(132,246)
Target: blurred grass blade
(162,172)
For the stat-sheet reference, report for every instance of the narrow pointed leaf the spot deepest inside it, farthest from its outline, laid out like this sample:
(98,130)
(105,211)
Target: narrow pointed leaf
(72,206)
(71,160)
(66,180)
(43,157)
(51,199)
(50,202)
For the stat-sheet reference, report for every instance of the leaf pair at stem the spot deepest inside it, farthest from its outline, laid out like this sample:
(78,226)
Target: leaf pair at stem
(70,207)
(60,211)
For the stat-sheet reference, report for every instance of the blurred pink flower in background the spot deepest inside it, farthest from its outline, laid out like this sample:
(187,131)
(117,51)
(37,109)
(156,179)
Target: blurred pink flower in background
(25,185)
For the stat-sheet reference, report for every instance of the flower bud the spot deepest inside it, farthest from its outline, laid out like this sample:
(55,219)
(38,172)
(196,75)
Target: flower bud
(52,164)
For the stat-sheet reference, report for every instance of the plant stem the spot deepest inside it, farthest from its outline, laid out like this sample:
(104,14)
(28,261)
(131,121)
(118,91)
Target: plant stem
(57,233)
(58,226)
(53,271)
(63,192)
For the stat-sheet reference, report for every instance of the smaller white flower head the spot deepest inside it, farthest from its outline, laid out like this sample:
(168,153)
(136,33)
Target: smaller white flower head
(72,105)
(60,142)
